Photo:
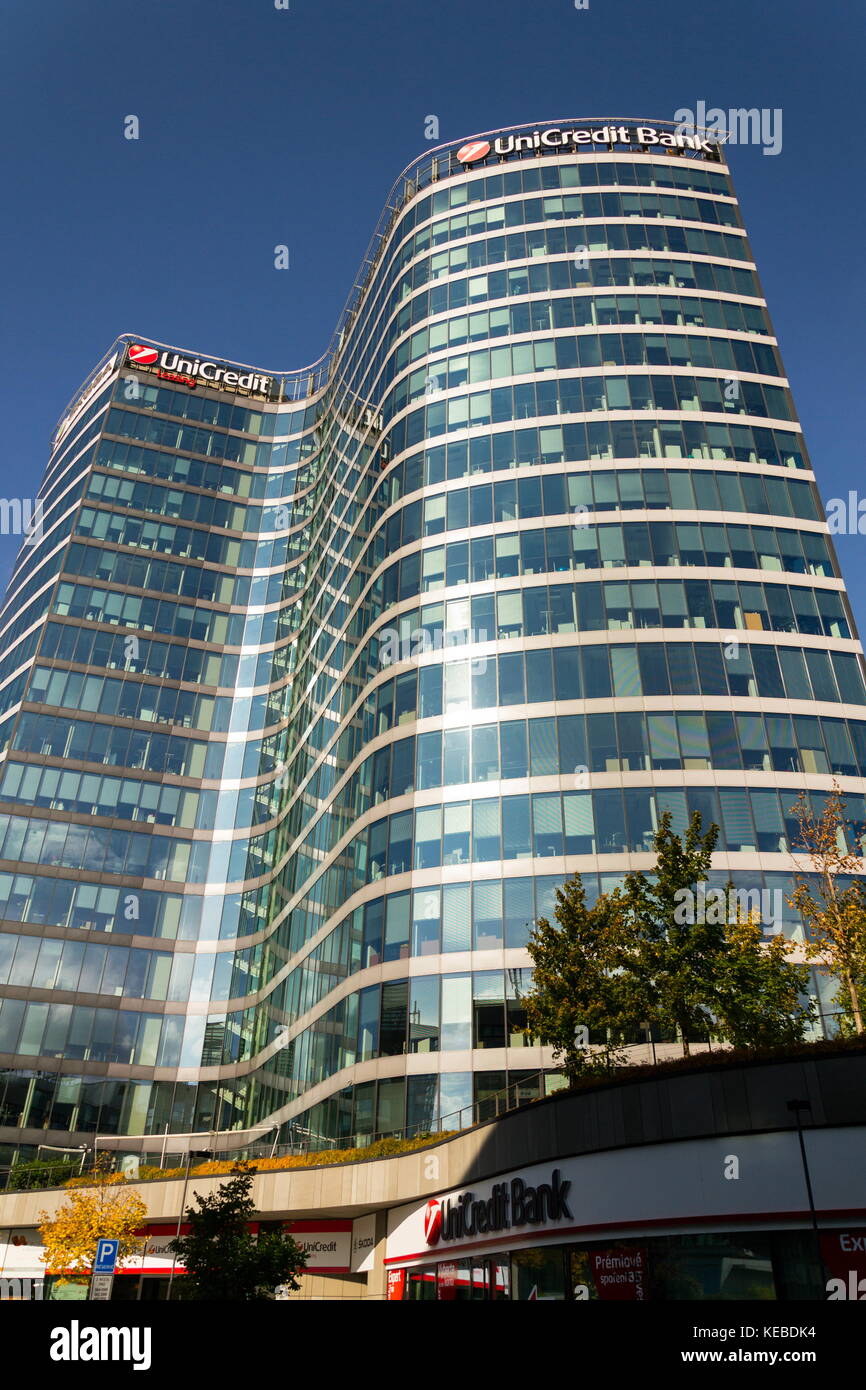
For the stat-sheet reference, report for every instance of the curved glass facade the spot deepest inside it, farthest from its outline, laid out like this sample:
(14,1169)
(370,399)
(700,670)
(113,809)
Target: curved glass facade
(315,684)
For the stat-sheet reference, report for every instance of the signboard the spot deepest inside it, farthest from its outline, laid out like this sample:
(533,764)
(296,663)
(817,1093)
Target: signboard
(447,1282)
(396,1284)
(555,139)
(606,1193)
(100,1287)
(363,1243)
(158,1244)
(106,1256)
(619,1275)
(328,1244)
(169,365)
(102,1274)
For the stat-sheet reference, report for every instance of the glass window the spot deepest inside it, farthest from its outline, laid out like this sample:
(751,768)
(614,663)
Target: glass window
(424,1014)
(489,1010)
(538,1274)
(397,926)
(456,1013)
(455,917)
(428,837)
(547,823)
(456,833)
(487,914)
(426,911)
(518,910)
(390,1105)
(392,1034)
(455,758)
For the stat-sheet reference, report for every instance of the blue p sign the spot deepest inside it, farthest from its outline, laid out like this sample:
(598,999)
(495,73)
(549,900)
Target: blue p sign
(106,1256)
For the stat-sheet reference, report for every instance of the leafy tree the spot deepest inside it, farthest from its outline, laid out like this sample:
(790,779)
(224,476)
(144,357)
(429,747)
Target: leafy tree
(675,953)
(100,1209)
(578,980)
(659,950)
(222,1256)
(833,911)
(700,968)
(760,994)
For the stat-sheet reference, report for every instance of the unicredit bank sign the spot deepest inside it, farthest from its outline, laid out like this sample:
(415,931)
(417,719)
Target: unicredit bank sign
(510,1206)
(194,371)
(556,139)
(652,1188)
(522,1205)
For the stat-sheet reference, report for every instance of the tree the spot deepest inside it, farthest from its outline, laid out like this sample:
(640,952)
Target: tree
(579,982)
(664,949)
(100,1209)
(760,994)
(222,1256)
(675,950)
(833,911)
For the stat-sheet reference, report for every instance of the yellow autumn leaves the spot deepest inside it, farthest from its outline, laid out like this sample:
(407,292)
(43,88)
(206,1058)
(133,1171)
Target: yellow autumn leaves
(91,1213)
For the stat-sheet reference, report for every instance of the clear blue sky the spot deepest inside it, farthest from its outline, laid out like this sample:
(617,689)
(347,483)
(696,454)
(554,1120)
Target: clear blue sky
(261,126)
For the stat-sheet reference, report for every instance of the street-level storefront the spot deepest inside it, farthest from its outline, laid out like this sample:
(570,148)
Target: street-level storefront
(704,1266)
(689,1221)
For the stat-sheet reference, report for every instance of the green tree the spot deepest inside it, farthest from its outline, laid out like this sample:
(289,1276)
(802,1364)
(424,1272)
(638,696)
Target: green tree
(833,908)
(760,994)
(579,982)
(674,951)
(223,1258)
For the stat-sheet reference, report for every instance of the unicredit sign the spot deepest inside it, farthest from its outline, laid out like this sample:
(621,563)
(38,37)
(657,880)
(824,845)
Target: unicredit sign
(192,371)
(510,1206)
(555,138)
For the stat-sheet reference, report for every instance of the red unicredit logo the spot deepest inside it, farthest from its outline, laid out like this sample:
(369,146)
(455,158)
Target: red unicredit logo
(476,149)
(432,1221)
(139,353)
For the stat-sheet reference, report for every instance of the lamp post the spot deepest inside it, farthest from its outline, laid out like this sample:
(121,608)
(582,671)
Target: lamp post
(143,1264)
(190,1155)
(796,1107)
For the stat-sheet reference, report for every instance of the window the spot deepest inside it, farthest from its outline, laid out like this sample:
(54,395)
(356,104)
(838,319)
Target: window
(455,842)
(487,914)
(424,1014)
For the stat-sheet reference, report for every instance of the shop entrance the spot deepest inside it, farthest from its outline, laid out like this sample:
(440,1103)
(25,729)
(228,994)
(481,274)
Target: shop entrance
(489,1278)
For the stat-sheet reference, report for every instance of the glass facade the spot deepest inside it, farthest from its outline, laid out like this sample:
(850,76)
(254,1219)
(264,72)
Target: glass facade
(312,675)
(722,1266)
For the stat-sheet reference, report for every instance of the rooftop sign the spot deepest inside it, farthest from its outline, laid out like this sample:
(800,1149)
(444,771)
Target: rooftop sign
(194,371)
(556,138)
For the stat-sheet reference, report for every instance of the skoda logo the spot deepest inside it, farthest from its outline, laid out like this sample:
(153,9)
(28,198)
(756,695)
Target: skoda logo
(432,1221)
(139,353)
(476,149)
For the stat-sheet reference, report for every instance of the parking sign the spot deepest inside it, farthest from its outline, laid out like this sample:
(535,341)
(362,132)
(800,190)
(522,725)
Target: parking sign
(106,1256)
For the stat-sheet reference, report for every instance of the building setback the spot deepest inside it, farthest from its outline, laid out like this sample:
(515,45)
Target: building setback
(315,684)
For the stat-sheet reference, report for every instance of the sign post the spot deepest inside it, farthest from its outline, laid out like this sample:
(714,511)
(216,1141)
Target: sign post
(102,1274)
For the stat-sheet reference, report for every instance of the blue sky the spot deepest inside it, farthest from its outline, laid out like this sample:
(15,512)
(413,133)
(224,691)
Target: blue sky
(262,126)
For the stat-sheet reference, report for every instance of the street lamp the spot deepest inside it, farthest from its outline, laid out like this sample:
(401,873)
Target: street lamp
(796,1107)
(190,1155)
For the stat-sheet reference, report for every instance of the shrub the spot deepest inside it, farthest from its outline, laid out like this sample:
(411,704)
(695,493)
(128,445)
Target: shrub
(24,1177)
